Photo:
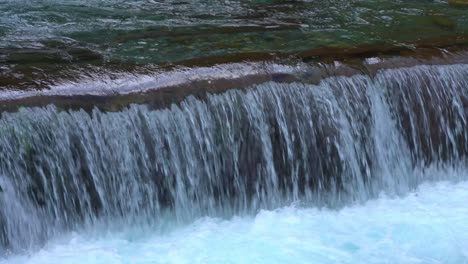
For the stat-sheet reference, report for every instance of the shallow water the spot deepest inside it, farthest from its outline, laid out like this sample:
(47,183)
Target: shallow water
(154,31)
(44,42)
(429,225)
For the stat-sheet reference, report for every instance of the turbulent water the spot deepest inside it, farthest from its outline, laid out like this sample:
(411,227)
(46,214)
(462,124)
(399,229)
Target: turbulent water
(340,142)
(428,226)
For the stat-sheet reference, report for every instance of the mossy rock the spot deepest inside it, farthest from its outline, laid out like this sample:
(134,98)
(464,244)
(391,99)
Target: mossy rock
(443,21)
(458,3)
(340,45)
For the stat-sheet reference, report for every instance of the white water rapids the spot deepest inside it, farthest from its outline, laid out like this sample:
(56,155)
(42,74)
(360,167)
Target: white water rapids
(429,225)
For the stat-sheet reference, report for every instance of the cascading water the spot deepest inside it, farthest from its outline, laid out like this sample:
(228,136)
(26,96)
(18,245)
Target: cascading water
(342,141)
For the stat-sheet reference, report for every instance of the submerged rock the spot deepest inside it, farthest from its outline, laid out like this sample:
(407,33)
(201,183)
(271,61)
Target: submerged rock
(458,3)
(443,21)
(59,55)
(34,56)
(84,55)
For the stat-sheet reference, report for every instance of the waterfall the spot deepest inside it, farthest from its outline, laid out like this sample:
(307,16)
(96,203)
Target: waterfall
(344,140)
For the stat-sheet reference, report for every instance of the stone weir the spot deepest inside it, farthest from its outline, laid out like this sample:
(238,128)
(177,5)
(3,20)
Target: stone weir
(159,149)
(110,86)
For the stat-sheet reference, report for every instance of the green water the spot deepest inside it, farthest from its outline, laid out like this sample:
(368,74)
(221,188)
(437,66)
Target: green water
(43,34)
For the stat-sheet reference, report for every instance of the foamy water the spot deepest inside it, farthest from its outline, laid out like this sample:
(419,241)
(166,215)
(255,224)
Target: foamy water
(427,226)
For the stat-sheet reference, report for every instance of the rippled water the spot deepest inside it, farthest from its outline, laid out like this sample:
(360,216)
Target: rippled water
(161,31)
(428,226)
(43,41)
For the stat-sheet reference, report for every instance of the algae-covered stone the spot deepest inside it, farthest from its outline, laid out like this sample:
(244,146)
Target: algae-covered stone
(458,3)
(340,45)
(443,21)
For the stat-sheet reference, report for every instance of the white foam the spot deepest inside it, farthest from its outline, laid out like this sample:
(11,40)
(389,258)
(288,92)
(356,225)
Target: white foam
(427,226)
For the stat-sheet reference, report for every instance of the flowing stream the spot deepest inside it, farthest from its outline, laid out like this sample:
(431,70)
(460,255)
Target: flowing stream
(347,148)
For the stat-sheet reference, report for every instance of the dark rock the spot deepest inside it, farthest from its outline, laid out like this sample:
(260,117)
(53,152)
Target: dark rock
(82,54)
(36,56)
(283,77)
